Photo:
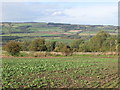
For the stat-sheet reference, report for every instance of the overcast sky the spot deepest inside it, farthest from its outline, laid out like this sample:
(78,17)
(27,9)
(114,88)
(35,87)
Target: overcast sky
(61,12)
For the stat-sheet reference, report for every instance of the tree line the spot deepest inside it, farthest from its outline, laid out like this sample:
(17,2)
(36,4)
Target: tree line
(102,42)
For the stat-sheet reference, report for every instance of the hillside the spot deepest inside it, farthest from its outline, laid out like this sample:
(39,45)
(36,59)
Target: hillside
(51,31)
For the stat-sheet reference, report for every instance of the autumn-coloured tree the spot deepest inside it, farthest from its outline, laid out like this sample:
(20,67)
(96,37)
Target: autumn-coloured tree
(13,48)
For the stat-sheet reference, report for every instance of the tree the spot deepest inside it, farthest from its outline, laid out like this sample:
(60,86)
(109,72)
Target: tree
(84,47)
(13,48)
(25,45)
(50,45)
(38,45)
(110,44)
(75,44)
(97,41)
(59,46)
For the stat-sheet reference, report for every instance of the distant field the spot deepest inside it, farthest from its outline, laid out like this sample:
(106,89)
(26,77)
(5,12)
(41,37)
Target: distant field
(75,31)
(50,29)
(47,30)
(60,72)
(31,34)
(92,33)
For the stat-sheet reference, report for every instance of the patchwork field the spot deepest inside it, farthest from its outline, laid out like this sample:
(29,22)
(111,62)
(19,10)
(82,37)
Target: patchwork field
(31,30)
(60,72)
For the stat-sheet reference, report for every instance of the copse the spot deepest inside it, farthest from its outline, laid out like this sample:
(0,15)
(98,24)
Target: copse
(13,48)
(102,42)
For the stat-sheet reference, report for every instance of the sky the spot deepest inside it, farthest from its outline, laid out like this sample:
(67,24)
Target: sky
(62,11)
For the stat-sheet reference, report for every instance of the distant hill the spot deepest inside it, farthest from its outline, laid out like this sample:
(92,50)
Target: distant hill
(28,30)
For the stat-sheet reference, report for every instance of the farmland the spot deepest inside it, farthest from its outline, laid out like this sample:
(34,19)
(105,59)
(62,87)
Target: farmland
(30,30)
(60,72)
(34,64)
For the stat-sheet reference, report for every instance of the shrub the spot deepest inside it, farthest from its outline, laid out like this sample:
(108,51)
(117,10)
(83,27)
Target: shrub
(13,48)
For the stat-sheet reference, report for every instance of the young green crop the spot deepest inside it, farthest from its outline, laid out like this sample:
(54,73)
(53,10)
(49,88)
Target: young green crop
(67,72)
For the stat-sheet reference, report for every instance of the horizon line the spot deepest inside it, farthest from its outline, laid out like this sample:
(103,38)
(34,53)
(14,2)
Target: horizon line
(54,22)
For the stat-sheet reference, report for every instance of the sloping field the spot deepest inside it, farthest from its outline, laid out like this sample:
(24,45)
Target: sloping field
(62,72)
(93,34)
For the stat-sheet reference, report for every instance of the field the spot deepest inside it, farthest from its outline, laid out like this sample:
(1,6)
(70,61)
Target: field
(60,72)
(57,71)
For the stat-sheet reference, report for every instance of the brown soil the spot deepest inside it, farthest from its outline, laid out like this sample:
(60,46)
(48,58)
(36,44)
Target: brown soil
(47,32)
(30,57)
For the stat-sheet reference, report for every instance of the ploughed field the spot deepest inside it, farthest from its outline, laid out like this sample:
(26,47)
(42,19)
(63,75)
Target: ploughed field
(60,72)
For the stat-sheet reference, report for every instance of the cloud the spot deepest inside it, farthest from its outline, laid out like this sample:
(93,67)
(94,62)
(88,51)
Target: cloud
(25,11)
(62,12)
(86,15)
(58,13)
(93,14)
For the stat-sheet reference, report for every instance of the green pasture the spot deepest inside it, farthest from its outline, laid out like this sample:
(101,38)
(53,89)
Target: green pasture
(29,34)
(50,29)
